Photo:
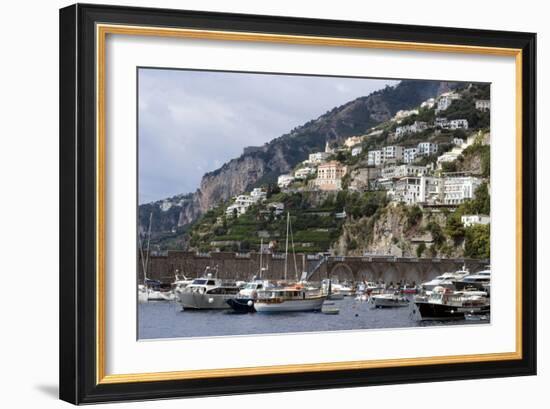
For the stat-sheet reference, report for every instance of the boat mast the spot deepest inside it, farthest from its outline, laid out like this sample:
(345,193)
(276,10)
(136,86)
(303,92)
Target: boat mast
(286,245)
(293,251)
(148,245)
(261,254)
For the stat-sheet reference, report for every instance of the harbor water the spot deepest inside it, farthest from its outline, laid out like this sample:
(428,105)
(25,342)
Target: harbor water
(157,319)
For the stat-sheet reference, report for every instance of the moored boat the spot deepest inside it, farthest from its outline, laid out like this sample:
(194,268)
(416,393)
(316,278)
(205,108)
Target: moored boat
(289,299)
(391,300)
(445,304)
(207,293)
(474,281)
(246,297)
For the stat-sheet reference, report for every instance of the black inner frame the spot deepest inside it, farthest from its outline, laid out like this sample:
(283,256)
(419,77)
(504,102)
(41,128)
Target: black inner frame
(78,210)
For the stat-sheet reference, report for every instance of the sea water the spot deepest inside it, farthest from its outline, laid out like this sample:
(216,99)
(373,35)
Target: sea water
(161,319)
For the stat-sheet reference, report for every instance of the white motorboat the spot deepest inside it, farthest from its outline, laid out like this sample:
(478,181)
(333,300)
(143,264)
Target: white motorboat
(289,299)
(388,301)
(207,293)
(476,281)
(446,280)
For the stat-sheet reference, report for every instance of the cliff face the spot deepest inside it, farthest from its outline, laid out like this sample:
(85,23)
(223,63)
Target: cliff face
(392,232)
(263,164)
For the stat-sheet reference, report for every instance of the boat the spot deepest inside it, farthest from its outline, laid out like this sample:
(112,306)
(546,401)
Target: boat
(445,304)
(294,298)
(445,280)
(407,289)
(475,281)
(246,297)
(290,297)
(207,293)
(244,301)
(388,300)
(329,308)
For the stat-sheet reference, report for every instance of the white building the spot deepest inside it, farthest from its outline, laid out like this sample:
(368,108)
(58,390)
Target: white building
(441,122)
(284,181)
(352,141)
(404,170)
(356,151)
(303,173)
(409,155)
(445,101)
(457,189)
(277,208)
(375,158)
(471,219)
(318,157)
(429,103)
(235,210)
(417,189)
(258,194)
(427,148)
(458,124)
(392,152)
(483,104)
(458,141)
(418,126)
(402,114)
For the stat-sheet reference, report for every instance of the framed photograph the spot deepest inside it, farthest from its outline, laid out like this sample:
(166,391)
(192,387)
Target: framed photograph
(257,204)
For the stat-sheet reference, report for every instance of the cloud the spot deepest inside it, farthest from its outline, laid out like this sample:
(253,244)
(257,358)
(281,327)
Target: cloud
(191,122)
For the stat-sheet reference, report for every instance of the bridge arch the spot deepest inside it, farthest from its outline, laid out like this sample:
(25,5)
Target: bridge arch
(347,272)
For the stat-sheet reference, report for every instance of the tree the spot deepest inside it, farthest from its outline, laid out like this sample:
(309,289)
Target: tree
(414,215)
(454,227)
(478,243)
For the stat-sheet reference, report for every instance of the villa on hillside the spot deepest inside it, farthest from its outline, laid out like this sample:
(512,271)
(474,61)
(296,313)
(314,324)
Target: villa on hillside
(472,219)
(329,176)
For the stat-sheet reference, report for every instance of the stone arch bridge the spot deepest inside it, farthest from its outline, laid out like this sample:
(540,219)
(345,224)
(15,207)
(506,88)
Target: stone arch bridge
(391,269)
(244,266)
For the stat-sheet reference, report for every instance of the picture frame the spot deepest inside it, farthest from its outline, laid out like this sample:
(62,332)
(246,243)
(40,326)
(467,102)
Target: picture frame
(83,180)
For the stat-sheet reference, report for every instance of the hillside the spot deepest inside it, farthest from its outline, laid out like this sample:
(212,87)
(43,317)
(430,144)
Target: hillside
(374,208)
(260,165)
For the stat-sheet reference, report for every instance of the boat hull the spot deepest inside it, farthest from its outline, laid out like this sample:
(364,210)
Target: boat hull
(312,304)
(382,302)
(241,305)
(196,301)
(434,311)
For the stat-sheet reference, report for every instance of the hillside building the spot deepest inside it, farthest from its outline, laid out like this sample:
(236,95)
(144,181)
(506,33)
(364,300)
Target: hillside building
(329,176)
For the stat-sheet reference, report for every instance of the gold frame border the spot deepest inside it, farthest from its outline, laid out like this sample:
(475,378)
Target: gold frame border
(102,30)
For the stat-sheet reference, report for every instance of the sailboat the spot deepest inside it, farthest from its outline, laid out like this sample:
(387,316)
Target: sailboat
(289,297)
(150,290)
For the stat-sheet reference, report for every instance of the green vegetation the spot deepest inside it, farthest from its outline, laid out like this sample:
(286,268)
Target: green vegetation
(414,215)
(478,243)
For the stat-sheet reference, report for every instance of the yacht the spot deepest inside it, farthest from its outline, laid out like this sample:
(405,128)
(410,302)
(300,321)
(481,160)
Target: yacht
(207,293)
(445,304)
(476,281)
(290,299)
(445,280)
(388,300)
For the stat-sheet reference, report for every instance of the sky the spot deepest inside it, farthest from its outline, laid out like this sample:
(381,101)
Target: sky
(192,122)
